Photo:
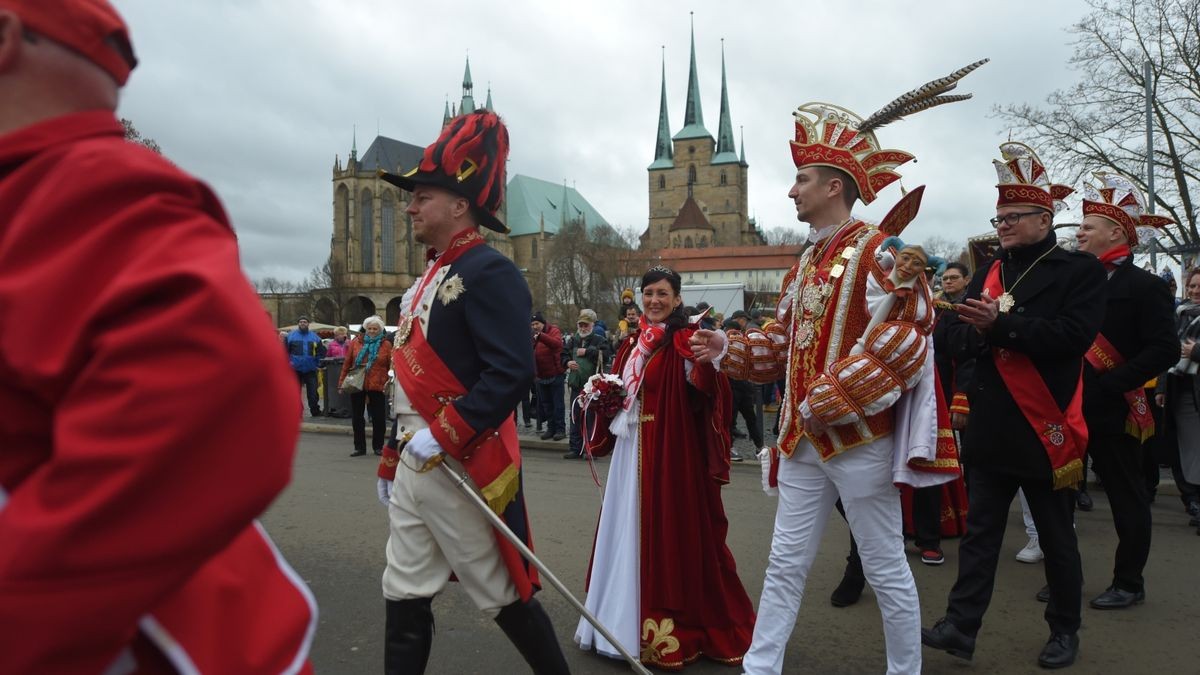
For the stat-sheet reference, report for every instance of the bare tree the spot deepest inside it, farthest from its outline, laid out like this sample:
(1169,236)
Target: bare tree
(784,236)
(588,267)
(943,247)
(135,136)
(1099,122)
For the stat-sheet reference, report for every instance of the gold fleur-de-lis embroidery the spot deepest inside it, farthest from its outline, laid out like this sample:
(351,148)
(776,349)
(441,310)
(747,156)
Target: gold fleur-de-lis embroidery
(450,290)
(657,640)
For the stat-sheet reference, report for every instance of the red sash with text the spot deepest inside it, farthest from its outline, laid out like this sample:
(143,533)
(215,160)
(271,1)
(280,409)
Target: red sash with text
(1104,357)
(492,460)
(1063,433)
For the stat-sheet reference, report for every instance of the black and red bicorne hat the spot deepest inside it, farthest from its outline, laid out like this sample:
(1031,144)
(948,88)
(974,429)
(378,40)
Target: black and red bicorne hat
(469,160)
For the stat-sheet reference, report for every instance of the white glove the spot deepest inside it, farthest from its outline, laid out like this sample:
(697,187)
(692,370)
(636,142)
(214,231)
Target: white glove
(764,462)
(423,447)
(384,489)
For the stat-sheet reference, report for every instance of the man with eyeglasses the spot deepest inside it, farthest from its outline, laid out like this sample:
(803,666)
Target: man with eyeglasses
(1028,319)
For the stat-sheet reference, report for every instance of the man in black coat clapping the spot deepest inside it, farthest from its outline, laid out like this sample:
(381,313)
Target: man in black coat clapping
(1029,318)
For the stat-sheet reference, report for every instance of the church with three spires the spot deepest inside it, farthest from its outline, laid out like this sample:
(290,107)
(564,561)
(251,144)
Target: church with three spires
(698,217)
(697,184)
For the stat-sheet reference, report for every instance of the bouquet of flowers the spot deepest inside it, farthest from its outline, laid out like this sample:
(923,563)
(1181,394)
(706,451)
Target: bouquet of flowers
(603,393)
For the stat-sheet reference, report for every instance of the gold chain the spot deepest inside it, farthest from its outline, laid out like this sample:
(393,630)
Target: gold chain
(1006,288)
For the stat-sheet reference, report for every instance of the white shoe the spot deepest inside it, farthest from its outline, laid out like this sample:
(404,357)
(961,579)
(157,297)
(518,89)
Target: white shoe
(1032,553)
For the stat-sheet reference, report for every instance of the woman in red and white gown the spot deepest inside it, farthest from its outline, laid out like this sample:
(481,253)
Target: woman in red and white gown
(661,578)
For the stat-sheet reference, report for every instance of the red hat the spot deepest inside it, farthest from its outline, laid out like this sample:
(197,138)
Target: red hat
(839,139)
(469,160)
(1022,180)
(90,27)
(1116,198)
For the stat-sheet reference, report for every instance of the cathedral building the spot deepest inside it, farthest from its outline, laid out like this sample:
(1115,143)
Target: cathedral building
(697,184)
(372,255)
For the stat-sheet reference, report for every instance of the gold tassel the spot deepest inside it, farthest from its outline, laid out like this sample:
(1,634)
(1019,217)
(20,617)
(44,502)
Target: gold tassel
(1068,475)
(501,491)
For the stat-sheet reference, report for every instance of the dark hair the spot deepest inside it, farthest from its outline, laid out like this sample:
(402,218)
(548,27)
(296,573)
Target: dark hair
(957,266)
(1190,273)
(849,187)
(677,319)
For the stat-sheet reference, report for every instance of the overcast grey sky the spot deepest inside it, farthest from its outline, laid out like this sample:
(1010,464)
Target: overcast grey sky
(257,96)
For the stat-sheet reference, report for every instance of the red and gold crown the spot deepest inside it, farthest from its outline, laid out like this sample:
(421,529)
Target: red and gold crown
(469,160)
(831,138)
(829,135)
(1022,180)
(1116,198)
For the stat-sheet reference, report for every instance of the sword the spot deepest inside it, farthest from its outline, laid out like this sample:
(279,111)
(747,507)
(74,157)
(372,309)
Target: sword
(460,480)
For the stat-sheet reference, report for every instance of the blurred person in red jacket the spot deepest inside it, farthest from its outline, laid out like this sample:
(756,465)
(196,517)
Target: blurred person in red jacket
(128,493)
(549,377)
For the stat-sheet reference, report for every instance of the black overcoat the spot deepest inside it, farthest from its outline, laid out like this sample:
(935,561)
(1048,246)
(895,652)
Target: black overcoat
(1139,321)
(1058,311)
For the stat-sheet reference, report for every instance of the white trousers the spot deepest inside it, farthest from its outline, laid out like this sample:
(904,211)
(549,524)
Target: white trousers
(1027,516)
(435,528)
(808,489)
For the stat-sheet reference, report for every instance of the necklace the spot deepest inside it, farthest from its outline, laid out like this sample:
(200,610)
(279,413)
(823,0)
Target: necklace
(1006,298)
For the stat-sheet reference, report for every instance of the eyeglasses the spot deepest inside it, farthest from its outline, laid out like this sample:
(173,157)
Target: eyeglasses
(1012,218)
(584,324)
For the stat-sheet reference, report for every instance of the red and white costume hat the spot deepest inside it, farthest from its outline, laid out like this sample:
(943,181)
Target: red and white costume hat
(1116,198)
(1022,180)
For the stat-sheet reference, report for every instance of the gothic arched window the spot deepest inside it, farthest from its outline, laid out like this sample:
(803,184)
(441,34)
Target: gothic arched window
(687,242)
(662,182)
(366,231)
(387,232)
(692,174)
(724,180)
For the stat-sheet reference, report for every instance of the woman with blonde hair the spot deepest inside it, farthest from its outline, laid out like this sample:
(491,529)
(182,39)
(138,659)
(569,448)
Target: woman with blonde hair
(371,352)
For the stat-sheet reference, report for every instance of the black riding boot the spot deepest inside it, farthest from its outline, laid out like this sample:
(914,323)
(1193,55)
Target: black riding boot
(528,627)
(407,636)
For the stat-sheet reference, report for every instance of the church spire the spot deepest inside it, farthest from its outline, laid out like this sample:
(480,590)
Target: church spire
(742,131)
(564,210)
(726,149)
(488,105)
(468,97)
(446,116)
(354,143)
(663,154)
(693,116)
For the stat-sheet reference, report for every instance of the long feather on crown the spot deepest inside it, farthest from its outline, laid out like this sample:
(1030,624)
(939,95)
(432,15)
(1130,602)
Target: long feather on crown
(922,98)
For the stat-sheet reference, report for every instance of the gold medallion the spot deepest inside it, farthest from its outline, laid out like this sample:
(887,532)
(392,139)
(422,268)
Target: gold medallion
(848,253)
(404,330)
(1006,302)
(837,271)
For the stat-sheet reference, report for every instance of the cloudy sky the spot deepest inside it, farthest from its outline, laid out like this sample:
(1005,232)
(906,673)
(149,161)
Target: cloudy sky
(257,97)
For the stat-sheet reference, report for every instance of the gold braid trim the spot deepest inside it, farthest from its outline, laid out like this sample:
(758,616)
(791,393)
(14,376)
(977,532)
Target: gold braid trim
(1068,475)
(501,491)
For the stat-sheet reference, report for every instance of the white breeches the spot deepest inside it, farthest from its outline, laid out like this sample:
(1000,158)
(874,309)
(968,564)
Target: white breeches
(808,489)
(435,529)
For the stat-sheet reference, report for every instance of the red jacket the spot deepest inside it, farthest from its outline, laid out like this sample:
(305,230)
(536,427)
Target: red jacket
(377,375)
(138,442)
(547,352)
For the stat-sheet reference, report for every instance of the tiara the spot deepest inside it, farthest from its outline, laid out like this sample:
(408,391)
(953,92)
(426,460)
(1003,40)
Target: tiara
(664,270)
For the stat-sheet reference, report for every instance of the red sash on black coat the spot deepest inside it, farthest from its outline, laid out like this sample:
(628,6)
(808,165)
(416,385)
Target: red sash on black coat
(1063,433)
(1104,356)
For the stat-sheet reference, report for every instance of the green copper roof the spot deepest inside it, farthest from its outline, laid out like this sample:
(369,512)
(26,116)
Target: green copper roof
(663,152)
(726,149)
(468,98)
(533,202)
(693,116)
